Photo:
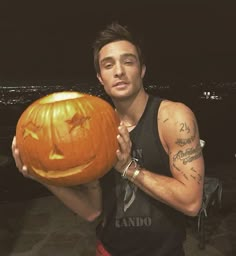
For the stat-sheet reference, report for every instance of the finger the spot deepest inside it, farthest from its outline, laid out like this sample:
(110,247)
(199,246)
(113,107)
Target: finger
(14,149)
(13,145)
(124,133)
(16,156)
(123,160)
(119,155)
(123,155)
(24,171)
(125,145)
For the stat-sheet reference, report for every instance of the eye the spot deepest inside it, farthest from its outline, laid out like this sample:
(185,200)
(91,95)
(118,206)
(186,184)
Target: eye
(128,62)
(108,66)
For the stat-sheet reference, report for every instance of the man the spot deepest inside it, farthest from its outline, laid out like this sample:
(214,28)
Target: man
(159,173)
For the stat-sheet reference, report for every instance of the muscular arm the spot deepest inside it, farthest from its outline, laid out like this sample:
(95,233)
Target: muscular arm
(85,200)
(180,138)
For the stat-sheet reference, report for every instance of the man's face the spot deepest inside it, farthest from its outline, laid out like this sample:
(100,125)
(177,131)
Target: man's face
(120,71)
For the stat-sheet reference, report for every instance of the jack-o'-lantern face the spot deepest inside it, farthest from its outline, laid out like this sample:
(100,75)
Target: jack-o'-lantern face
(68,138)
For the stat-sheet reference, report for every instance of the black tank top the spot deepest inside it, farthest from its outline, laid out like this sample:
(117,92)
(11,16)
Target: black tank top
(134,223)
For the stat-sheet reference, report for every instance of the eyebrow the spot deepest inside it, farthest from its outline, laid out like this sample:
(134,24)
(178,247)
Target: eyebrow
(125,55)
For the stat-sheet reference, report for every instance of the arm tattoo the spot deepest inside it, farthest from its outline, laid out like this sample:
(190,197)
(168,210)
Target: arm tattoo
(184,127)
(194,174)
(182,142)
(185,176)
(189,155)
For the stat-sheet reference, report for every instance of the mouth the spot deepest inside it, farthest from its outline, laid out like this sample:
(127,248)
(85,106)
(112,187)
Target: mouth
(120,84)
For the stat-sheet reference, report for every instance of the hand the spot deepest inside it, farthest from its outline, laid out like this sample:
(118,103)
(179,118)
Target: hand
(124,152)
(20,166)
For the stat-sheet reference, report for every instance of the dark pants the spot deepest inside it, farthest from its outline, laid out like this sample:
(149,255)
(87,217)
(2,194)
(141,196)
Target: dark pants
(101,250)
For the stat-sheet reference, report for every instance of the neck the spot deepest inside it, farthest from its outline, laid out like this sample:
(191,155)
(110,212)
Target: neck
(131,110)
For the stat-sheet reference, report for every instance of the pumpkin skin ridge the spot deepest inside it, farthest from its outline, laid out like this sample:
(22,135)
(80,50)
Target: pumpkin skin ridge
(104,142)
(53,97)
(54,131)
(56,174)
(72,179)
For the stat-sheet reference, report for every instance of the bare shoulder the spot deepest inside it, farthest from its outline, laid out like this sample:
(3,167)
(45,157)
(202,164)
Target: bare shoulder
(177,124)
(174,110)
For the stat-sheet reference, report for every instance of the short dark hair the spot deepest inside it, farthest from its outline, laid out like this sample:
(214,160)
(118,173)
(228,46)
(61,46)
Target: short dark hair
(112,33)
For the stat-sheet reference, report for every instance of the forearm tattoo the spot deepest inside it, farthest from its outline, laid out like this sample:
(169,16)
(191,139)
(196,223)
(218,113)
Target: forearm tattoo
(193,174)
(185,176)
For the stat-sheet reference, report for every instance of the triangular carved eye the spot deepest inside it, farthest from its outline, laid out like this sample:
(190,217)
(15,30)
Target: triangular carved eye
(56,153)
(31,130)
(77,120)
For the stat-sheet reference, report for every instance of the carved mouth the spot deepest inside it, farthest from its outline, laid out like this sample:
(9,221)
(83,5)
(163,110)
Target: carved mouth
(61,174)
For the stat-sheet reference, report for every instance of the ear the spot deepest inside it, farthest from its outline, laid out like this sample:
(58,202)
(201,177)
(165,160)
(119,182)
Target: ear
(143,71)
(99,78)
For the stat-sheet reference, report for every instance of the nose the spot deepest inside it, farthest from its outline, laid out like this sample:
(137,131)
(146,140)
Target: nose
(119,70)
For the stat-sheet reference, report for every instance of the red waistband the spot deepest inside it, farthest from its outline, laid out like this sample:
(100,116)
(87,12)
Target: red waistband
(100,249)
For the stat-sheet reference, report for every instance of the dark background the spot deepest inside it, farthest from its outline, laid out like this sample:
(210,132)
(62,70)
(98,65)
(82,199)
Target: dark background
(183,41)
(185,45)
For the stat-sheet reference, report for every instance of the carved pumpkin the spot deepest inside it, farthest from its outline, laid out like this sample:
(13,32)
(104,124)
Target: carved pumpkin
(68,138)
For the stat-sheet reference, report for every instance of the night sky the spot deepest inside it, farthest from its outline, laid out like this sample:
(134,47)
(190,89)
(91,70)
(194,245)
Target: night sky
(181,42)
